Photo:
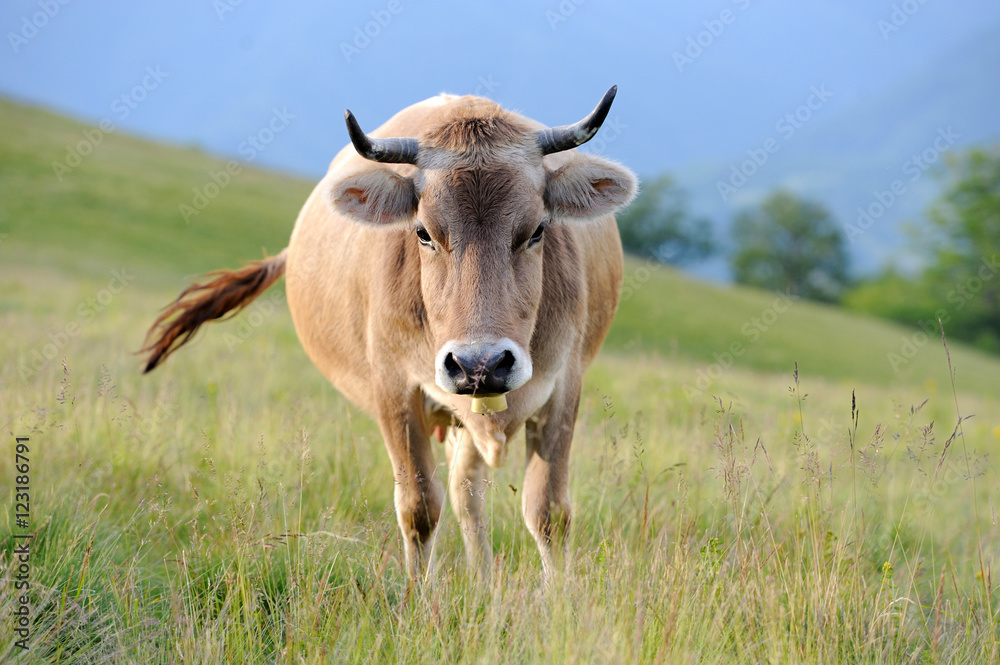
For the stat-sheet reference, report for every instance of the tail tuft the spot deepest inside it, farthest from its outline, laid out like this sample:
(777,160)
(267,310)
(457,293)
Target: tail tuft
(223,297)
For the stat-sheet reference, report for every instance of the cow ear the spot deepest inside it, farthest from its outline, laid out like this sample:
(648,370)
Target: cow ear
(588,187)
(377,196)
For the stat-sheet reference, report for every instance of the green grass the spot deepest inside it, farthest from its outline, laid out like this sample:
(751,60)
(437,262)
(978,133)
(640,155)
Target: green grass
(233,507)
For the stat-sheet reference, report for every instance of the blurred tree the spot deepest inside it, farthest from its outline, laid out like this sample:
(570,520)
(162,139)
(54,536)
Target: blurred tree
(657,225)
(964,244)
(790,244)
(966,219)
(960,242)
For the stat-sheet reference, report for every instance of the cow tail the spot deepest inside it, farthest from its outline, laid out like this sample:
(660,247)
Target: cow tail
(222,297)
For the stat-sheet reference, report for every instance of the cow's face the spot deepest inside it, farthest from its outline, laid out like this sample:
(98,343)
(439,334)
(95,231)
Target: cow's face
(481,235)
(477,210)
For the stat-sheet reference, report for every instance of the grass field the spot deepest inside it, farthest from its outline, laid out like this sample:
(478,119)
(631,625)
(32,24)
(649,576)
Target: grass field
(233,507)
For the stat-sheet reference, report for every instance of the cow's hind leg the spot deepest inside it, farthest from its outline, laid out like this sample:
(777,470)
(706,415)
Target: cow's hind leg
(467,483)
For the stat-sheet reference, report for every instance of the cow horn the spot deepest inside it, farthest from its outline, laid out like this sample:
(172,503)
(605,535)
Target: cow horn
(389,151)
(557,139)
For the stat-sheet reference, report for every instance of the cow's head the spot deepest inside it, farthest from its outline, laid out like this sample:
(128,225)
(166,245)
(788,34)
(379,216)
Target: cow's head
(478,205)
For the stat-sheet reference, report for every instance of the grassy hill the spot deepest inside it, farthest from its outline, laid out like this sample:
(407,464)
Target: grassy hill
(675,316)
(121,203)
(233,507)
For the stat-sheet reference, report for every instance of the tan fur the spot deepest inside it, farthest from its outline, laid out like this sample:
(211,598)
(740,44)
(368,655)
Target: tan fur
(372,307)
(476,127)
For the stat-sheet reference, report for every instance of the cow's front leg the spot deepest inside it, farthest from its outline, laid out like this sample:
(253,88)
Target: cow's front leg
(545,498)
(418,492)
(467,479)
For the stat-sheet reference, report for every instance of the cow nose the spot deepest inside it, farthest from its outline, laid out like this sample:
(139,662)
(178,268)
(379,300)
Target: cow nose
(484,368)
(474,374)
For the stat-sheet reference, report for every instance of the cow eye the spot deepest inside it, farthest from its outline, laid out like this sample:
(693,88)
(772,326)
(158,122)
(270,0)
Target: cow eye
(424,237)
(537,235)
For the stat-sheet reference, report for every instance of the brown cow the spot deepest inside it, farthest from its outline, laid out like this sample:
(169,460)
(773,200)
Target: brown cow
(480,256)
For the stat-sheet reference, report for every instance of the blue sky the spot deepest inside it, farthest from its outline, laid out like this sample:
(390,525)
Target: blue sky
(699,83)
